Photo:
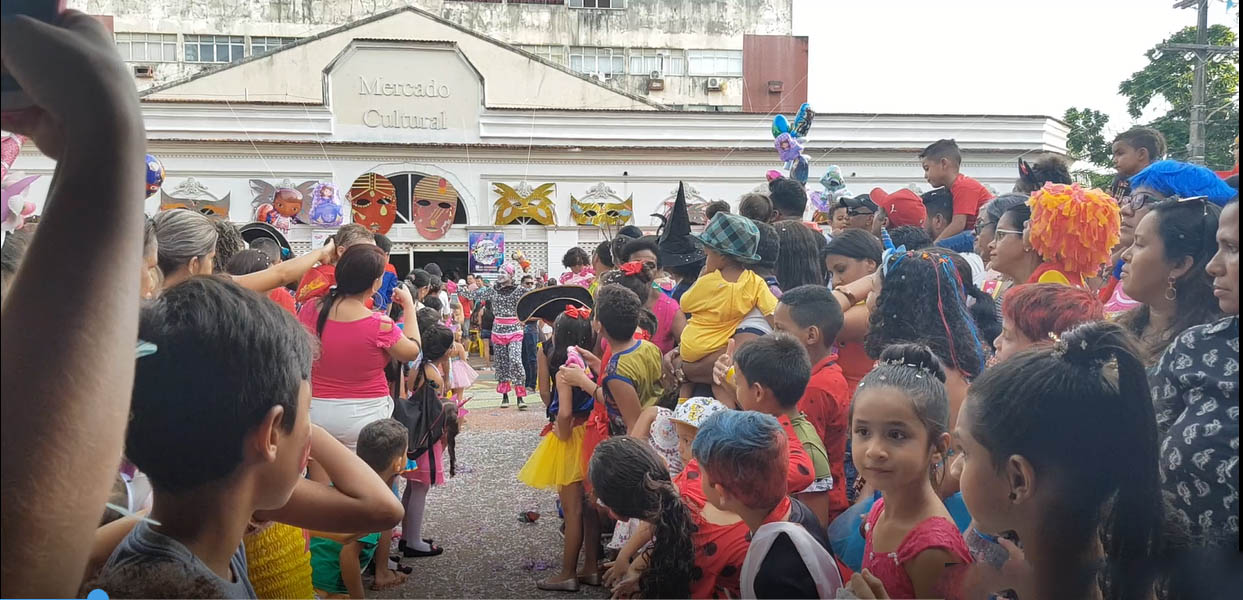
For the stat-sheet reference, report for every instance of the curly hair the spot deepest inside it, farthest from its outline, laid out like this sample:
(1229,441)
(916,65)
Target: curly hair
(617,310)
(1050,169)
(922,302)
(634,483)
(575,257)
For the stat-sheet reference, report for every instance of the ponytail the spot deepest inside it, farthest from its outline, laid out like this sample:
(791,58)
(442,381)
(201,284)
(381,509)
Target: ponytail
(325,307)
(622,466)
(1080,412)
(672,557)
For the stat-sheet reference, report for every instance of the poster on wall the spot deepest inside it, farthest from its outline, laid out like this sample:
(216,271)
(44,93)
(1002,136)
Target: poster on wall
(487,251)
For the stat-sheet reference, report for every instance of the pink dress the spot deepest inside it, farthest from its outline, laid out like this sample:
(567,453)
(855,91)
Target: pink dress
(666,310)
(935,532)
(435,456)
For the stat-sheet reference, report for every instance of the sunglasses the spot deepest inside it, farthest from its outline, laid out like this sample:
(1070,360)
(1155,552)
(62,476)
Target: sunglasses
(1138,200)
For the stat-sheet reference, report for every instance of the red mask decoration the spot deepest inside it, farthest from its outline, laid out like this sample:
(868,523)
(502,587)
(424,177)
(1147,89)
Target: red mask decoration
(576,312)
(373,198)
(435,205)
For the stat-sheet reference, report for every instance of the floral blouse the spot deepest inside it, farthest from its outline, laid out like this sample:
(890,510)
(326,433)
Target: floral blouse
(1195,391)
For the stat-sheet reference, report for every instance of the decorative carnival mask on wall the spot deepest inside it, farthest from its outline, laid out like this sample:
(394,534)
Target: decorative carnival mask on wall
(696,205)
(191,194)
(325,207)
(601,206)
(373,202)
(523,205)
(280,205)
(435,205)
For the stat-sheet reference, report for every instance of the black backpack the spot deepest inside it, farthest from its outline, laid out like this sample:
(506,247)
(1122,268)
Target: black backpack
(423,414)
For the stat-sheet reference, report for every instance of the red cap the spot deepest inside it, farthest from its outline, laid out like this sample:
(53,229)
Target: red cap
(903,207)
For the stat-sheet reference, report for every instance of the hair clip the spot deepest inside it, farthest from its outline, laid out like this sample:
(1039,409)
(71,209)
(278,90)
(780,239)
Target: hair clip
(144,349)
(1059,346)
(631,268)
(577,312)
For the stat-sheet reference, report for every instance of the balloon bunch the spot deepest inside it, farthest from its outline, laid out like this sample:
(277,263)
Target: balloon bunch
(834,188)
(155,175)
(521,259)
(789,141)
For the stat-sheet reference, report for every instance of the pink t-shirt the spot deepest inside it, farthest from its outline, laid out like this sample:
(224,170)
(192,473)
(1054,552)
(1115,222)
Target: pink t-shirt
(352,355)
(666,310)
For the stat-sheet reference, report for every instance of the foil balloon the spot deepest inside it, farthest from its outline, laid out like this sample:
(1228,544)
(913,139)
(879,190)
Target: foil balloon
(16,208)
(834,184)
(788,147)
(155,175)
(325,205)
(799,169)
(780,125)
(773,175)
(802,121)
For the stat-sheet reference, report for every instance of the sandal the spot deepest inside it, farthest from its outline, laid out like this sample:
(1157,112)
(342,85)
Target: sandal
(568,585)
(401,578)
(397,566)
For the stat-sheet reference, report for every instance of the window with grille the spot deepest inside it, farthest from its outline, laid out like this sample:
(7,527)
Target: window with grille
(147,47)
(554,54)
(604,61)
(719,63)
(263,45)
(214,48)
(664,60)
(596,3)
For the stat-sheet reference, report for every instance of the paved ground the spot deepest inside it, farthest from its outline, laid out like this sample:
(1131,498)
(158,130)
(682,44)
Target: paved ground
(488,553)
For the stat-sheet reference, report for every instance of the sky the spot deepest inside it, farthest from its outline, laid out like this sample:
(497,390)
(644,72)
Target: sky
(983,56)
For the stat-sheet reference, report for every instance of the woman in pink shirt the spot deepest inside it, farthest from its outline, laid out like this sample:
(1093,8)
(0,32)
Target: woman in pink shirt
(348,388)
(637,277)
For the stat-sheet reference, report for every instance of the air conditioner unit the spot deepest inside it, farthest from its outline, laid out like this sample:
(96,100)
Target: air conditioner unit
(144,71)
(714,84)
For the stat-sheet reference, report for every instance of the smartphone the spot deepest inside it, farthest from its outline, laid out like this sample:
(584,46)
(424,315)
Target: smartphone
(11,96)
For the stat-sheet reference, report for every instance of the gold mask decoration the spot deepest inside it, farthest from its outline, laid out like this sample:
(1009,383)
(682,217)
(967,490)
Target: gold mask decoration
(601,206)
(191,194)
(524,205)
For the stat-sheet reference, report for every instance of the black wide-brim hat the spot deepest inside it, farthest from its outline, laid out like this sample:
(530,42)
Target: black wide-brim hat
(548,302)
(256,230)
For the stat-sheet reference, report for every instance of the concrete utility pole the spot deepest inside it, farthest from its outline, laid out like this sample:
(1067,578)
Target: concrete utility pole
(1203,52)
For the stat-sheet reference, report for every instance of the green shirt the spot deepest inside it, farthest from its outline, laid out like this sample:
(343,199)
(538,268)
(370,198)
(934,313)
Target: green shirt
(326,562)
(812,445)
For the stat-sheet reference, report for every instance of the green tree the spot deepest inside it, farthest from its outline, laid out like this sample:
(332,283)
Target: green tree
(1169,76)
(1086,140)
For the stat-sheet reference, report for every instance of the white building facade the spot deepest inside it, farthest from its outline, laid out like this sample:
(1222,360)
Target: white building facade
(408,95)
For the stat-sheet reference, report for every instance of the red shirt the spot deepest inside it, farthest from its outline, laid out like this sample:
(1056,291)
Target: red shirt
(969,196)
(282,297)
(315,283)
(826,403)
(719,549)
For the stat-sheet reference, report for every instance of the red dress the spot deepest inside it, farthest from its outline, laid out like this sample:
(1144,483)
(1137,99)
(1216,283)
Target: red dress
(935,532)
(719,549)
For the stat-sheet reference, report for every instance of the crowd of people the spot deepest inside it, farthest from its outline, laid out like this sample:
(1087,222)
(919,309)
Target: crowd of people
(941,395)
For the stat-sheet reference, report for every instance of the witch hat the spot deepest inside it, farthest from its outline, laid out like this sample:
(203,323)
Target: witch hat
(677,245)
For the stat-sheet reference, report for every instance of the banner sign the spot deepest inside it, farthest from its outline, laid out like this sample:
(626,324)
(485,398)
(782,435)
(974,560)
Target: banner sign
(487,251)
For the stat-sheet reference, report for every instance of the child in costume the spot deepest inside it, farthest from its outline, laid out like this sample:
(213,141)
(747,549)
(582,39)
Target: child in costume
(337,560)
(719,300)
(556,463)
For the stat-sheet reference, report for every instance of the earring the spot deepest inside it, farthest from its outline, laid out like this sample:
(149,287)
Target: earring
(1171,292)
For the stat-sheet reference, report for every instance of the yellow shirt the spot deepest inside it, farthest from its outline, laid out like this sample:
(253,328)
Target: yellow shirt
(717,307)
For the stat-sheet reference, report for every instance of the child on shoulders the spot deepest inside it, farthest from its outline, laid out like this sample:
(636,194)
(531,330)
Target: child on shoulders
(337,561)
(726,292)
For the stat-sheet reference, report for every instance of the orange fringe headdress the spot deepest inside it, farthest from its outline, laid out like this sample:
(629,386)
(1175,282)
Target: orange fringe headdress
(1074,227)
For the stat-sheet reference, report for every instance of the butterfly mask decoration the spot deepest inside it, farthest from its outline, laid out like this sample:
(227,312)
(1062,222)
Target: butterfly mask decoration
(602,206)
(522,205)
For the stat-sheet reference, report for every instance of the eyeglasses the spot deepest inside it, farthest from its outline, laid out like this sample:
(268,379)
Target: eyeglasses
(1138,200)
(1000,232)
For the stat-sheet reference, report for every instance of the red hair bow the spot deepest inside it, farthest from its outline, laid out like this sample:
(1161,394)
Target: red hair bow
(631,268)
(576,312)
(640,334)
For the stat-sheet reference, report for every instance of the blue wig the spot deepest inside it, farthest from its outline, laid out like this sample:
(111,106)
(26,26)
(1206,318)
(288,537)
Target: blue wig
(1184,180)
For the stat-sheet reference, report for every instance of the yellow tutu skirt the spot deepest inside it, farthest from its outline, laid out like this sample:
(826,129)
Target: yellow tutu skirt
(555,462)
(278,562)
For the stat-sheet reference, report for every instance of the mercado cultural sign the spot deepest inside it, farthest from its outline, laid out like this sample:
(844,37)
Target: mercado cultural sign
(377,95)
(487,251)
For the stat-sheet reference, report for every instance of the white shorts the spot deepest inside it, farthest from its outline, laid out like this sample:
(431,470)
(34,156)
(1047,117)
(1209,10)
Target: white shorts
(344,418)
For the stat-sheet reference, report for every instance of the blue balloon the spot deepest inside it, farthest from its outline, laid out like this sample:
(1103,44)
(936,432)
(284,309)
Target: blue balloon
(780,125)
(155,175)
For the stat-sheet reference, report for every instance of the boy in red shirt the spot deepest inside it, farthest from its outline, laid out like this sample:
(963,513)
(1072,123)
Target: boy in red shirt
(811,315)
(941,161)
